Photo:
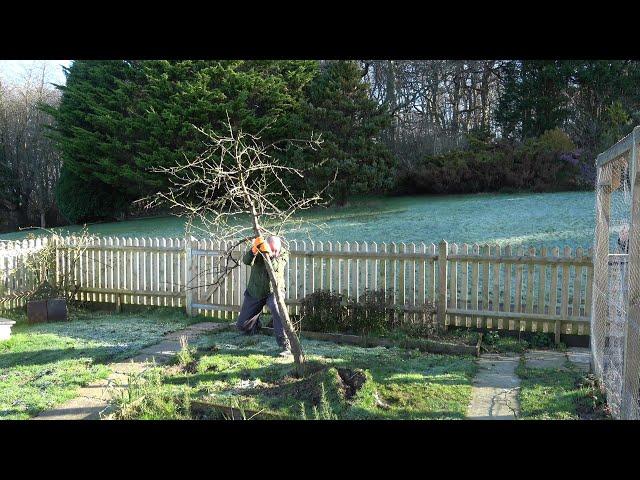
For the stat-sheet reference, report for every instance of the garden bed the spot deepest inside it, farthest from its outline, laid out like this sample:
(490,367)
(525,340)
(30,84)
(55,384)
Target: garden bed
(238,376)
(422,344)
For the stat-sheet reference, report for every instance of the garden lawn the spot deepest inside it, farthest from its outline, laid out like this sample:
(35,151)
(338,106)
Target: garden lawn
(558,394)
(43,365)
(246,372)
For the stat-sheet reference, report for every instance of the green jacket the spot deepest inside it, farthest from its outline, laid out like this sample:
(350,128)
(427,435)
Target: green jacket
(259,285)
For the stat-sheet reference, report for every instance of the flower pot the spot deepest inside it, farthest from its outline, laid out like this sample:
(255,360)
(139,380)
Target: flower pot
(37,311)
(56,310)
(5,328)
(51,310)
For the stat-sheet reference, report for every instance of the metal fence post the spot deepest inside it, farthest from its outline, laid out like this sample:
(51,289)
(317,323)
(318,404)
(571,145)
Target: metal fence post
(443,251)
(631,371)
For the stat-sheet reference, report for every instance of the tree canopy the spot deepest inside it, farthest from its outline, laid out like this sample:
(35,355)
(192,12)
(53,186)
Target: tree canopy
(389,126)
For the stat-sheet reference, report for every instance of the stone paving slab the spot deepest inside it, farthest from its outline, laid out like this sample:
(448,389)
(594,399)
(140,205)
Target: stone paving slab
(495,389)
(101,392)
(129,368)
(151,358)
(166,347)
(545,359)
(580,357)
(80,408)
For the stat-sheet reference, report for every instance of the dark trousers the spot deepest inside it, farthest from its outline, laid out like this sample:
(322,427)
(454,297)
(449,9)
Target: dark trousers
(251,309)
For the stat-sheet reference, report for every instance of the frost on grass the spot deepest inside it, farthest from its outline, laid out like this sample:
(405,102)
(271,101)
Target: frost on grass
(341,381)
(43,365)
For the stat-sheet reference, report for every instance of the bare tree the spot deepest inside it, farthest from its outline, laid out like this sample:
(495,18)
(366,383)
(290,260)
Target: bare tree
(433,103)
(29,162)
(238,189)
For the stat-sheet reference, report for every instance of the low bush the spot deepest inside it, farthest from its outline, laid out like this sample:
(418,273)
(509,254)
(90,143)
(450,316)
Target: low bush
(322,311)
(548,163)
(373,313)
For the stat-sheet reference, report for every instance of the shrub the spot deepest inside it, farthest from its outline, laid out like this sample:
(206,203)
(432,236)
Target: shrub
(535,165)
(373,313)
(322,311)
(541,340)
(555,141)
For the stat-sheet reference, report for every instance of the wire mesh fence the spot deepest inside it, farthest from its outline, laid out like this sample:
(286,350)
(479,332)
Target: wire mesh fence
(614,324)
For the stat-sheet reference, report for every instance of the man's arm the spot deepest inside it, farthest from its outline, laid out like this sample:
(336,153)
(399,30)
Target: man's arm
(249,257)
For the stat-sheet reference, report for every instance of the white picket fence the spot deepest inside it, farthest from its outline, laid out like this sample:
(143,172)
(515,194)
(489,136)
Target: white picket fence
(483,286)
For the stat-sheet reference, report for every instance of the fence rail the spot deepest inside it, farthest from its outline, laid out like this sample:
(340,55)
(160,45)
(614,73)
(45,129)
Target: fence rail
(485,286)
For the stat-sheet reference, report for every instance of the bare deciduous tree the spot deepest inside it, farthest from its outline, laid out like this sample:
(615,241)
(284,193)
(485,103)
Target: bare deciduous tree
(237,189)
(29,163)
(433,103)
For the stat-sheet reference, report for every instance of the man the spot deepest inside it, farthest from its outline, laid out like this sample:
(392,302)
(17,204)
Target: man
(259,292)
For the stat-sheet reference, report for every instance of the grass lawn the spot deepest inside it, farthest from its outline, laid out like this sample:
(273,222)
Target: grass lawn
(558,394)
(43,365)
(343,382)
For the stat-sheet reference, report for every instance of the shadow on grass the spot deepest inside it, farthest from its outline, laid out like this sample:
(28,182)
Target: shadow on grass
(99,355)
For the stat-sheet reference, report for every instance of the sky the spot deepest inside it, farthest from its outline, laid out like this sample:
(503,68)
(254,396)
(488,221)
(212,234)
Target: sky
(12,71)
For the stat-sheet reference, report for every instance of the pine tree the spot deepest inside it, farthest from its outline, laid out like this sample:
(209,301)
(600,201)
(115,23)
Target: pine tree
(179,95)
(339,108)
(534,97)
(118,120)
(94,135)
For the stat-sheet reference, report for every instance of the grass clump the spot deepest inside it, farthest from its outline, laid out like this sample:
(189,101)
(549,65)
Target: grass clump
(494,342)
(559,394)
(185,356)
(323,412)
(147,398)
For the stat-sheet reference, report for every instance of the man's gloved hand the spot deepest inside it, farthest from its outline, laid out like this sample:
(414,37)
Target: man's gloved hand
(259,245)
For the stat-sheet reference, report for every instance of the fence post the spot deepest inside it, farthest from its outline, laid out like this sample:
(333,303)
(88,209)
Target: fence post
(601,267)
(188,276)
(443,251)
(629,408)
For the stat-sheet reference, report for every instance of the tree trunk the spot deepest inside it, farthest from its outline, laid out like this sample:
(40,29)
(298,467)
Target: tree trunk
(296,348)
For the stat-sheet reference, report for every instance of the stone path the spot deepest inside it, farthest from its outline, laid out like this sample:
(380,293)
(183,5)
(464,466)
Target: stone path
(495,387)
(94,401)
(579,357)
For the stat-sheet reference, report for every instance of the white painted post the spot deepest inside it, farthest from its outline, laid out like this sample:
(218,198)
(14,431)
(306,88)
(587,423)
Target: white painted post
(188,278)
(443,250)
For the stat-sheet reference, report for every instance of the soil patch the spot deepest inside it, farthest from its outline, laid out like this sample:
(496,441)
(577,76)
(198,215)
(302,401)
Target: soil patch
(593,406)
(352,380)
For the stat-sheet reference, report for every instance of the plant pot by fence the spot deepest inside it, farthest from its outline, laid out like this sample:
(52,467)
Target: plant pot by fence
(5,328)
(51,310)
(56,310)
(37,311)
